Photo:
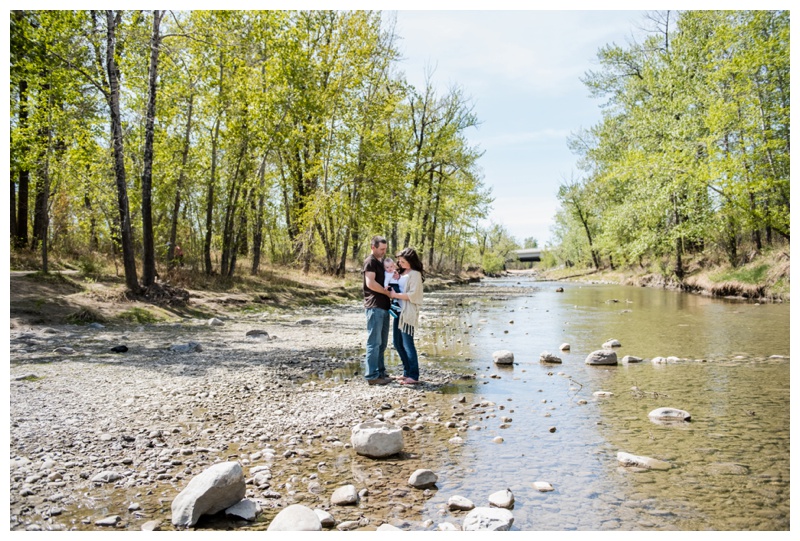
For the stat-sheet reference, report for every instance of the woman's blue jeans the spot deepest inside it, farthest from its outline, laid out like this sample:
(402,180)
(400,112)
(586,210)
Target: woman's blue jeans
(377,340)
(404,345)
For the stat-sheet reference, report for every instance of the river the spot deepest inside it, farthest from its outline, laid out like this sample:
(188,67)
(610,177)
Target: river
(729,464)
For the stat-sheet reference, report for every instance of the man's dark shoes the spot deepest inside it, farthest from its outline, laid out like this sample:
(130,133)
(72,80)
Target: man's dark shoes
(378,381)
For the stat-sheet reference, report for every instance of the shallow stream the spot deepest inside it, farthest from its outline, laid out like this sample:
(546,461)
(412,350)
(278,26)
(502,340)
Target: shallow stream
(729,465)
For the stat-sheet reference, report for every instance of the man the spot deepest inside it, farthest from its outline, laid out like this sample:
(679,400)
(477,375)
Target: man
(376,304)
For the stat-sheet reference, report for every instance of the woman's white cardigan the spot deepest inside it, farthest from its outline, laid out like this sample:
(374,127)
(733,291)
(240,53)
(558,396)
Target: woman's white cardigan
(409,316)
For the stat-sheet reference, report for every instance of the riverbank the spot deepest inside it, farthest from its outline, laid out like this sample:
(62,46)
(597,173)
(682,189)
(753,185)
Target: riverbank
(766,278)
(267,377)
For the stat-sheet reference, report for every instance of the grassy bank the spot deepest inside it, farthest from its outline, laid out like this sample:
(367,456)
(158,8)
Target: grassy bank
(766,277)
(93,290)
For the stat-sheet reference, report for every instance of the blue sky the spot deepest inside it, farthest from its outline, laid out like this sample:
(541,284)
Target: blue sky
(522,70)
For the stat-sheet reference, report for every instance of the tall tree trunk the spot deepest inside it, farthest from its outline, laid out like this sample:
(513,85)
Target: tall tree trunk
(176,207)
(149,260)
(210,198)
(128,256)
(20,228)
(258,226)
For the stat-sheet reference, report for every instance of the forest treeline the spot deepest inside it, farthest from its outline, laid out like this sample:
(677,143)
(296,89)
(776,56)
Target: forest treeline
(692,153)
(267,136)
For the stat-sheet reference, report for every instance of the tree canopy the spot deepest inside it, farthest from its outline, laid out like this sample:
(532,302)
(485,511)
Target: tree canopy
(282,136)
(692,152)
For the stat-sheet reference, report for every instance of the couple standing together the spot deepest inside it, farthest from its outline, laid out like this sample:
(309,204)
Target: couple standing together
(377,303)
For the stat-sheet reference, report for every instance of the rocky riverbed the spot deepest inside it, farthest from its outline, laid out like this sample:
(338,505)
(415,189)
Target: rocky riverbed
(100,439)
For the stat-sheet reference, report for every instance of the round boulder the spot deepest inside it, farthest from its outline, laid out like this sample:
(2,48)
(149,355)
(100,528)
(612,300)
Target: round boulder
(503,357)
(346,495)
(376,439)
(612,343)
(602,357)
(296,518)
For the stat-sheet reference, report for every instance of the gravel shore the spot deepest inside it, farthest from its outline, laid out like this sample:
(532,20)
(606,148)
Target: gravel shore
(281,399)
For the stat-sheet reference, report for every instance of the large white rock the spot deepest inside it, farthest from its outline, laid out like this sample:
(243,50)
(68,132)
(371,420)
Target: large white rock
(376,439)
(346,495)
(423,479)
(669,416)
(502,498)
(296,518)
(503,357)
(602,357)
(644,462)
(488,519)
(217,488)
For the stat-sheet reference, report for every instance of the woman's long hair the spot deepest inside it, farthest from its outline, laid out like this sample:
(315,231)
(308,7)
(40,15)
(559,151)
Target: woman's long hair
(410,255)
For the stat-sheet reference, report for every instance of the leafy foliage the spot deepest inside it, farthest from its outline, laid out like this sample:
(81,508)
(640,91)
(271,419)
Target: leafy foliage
(280,136)
(693,149)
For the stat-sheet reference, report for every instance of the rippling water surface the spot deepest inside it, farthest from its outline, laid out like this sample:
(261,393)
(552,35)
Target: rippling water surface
(729,465)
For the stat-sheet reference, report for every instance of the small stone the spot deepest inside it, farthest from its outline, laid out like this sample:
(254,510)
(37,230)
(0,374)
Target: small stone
(216,322)
(502,498)
(612,343)
(564,347)
(119,349)
(325,518)
(543,486)
(346,495)
(108,521)
(152,526)
(423,478)
(460,503)
(547,357)
(503,357)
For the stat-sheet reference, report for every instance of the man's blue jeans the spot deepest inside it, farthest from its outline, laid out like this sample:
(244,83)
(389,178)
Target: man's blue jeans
(377,340)
(404,345)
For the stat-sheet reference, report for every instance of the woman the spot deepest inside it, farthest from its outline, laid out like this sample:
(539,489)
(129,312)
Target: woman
(411,277)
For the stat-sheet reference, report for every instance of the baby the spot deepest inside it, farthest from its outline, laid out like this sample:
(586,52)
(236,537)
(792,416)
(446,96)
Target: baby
(392,281)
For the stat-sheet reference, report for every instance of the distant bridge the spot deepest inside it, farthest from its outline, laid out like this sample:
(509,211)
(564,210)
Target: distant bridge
(528,254)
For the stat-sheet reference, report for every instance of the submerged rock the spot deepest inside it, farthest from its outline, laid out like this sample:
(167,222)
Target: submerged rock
(644,462)
(669,416)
